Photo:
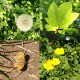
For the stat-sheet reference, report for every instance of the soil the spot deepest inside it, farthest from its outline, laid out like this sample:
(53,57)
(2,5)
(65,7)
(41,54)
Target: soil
(30,70)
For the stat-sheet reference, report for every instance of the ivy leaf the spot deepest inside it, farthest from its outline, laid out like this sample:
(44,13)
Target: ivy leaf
(60,18)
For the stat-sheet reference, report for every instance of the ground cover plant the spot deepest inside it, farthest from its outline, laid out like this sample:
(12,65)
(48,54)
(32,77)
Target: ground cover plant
(10,19)
(56,24)
(60,53)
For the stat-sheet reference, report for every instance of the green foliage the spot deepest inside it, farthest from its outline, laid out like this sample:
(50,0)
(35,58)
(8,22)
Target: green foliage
(9,11)
(69,69)
(3,1)
(8,14)
(60,18)
(72,30)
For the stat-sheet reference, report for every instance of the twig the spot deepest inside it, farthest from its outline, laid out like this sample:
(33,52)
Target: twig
(32,75)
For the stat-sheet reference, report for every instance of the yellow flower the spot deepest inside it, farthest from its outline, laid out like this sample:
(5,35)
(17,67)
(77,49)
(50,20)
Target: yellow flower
(56,61)
(48,65)
(59,51)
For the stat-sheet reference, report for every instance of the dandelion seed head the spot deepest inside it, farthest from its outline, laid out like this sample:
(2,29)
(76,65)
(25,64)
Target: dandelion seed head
(24,22)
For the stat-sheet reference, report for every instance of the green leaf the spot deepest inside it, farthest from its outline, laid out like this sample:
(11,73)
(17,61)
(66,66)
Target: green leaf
(1,14)
(18,36)
(51,27)
(4,74)
(53,16)
(68,20)
(60,18)
(72,30)
(3,1)
(64,10)
(53,11)
(76,4)
(51,21)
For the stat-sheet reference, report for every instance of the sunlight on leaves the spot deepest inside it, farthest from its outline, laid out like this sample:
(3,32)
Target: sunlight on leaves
(60,18)
(3,1)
